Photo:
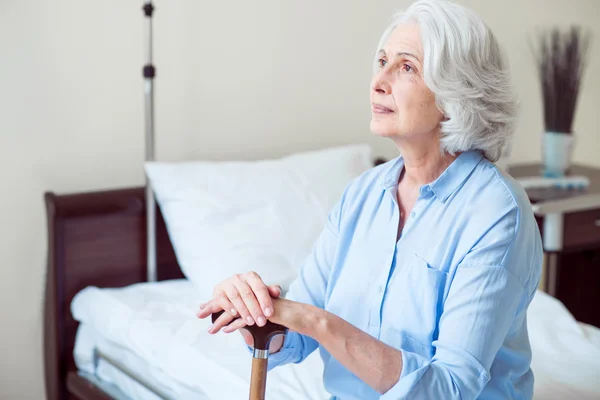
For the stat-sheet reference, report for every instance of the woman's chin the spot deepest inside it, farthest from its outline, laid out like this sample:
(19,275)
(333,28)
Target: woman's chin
(382,130)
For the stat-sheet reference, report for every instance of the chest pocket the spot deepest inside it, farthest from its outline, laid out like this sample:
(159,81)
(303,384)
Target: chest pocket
(413,306)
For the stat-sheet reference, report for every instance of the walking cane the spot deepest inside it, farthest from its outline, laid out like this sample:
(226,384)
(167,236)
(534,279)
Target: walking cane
(262,337)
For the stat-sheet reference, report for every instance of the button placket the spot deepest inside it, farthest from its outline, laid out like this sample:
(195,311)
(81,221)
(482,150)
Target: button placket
(380,286)
(378,289)
(379,281)
(418,207)
(377,302)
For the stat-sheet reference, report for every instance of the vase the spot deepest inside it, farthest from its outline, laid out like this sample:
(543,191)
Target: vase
(556,153)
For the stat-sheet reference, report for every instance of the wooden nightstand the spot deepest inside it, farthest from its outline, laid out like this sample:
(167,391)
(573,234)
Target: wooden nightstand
(570,225)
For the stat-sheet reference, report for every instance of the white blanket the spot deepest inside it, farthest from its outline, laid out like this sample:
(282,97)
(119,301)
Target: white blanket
(152,328)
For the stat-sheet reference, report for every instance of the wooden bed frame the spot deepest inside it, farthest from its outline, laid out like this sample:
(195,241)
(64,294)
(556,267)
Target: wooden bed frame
(94,239)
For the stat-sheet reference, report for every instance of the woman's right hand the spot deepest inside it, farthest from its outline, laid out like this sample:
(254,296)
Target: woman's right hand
(243,295)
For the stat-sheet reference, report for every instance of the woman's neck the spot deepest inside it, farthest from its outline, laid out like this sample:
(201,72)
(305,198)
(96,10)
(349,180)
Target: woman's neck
(422,166)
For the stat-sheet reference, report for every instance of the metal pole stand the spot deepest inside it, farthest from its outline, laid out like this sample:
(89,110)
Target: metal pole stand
(149,73)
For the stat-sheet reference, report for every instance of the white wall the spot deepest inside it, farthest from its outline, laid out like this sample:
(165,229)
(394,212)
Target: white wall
(241,79)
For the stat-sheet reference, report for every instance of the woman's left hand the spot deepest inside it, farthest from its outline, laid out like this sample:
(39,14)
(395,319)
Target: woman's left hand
(291,314)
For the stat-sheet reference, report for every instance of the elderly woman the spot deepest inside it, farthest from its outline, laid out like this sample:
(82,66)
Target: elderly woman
(419,284)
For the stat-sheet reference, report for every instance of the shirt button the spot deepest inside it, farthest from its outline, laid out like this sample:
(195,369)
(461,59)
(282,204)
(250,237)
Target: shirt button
(380,289)
(412,214)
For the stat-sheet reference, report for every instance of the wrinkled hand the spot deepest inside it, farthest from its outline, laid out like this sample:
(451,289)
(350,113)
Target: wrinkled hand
(243,295)
(291,314)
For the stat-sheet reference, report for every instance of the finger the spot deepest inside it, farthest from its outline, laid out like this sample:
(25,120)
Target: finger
(238,302)
(261,292)
(274,291)
(276,343)
(220,322)
(225,304)
(235,325)
(248,338)
(209,308)
(251,303)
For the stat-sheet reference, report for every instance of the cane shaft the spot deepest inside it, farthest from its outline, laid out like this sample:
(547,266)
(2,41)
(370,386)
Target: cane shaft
(258,379)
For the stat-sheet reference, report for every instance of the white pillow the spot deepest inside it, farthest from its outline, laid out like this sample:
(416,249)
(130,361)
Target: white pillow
(231,217)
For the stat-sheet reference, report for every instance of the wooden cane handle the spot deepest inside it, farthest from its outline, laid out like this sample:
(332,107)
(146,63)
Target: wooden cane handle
(258,379)
(262,335)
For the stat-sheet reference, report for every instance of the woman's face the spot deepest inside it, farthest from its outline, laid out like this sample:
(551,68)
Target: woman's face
(402,106)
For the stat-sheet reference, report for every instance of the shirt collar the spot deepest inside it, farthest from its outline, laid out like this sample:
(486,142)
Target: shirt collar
(446,183)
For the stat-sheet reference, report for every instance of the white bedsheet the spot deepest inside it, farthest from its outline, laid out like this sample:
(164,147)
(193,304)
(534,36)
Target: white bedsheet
(151,328)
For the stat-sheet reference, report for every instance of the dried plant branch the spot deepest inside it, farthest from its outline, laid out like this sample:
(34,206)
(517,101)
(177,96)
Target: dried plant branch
(561,58)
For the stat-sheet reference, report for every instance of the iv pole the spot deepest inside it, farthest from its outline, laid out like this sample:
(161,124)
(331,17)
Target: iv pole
(149,73)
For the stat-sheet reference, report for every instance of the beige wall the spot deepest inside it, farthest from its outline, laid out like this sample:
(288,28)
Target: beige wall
(241,79)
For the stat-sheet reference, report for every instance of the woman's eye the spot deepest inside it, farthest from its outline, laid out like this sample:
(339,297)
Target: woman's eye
(381,62)
(407,68)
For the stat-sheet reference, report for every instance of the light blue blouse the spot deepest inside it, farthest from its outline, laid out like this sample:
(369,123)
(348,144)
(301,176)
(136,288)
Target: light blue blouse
(451,294)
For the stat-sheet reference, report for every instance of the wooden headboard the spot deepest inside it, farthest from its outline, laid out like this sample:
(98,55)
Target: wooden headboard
(94,239)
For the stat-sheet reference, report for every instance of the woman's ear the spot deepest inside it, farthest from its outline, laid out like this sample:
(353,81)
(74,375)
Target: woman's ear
(445,116)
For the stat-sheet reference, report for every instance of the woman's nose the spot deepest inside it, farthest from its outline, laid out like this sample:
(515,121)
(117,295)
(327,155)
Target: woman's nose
(380,83)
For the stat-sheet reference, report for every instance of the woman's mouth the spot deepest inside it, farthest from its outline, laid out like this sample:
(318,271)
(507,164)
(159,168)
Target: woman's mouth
(380,109)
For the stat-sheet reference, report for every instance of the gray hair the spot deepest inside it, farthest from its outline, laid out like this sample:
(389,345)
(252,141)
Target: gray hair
(465,68)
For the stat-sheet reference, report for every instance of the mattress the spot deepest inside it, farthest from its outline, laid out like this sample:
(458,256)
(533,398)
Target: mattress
(150,330)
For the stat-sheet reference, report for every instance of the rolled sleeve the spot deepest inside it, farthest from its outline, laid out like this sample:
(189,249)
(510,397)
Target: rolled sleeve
(478,314)
(290,351)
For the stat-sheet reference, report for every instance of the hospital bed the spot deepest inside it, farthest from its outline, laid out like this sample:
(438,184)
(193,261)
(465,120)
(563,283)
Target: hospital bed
(111,334)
